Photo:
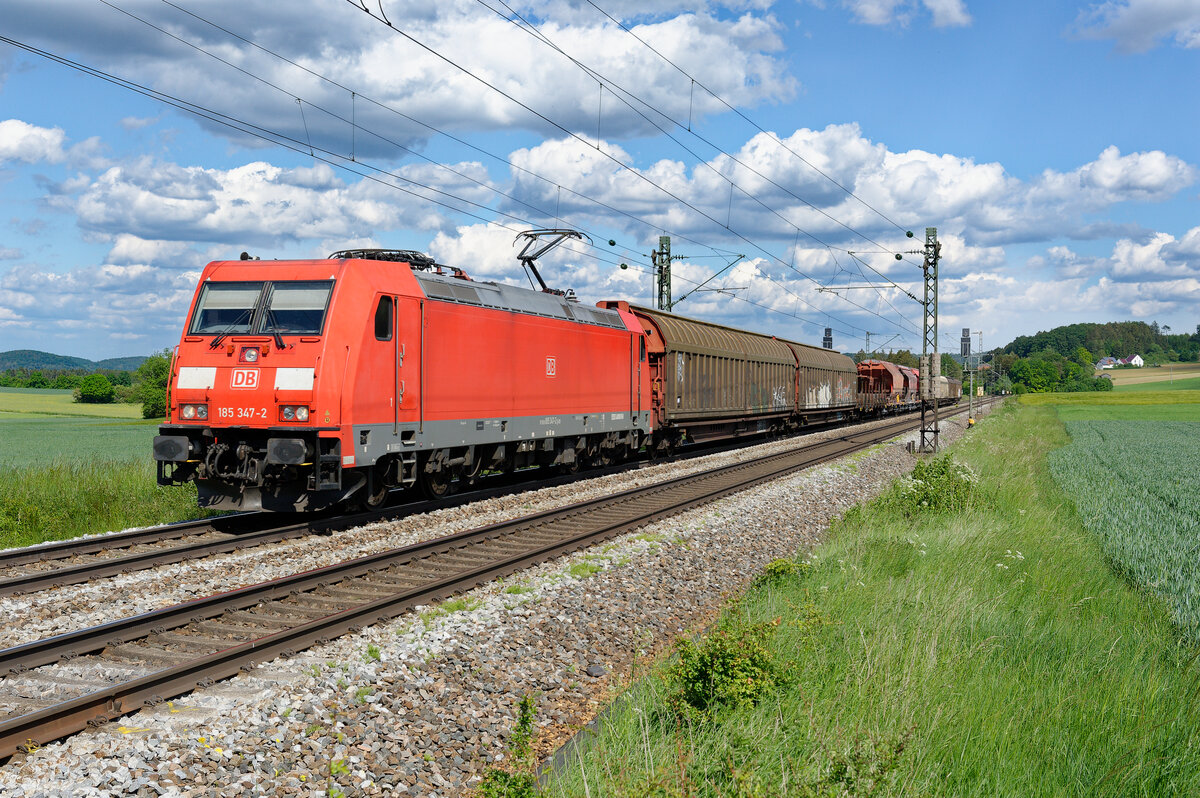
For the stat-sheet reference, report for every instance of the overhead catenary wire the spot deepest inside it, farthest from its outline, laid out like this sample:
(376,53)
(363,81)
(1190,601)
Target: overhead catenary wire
(288,143)
(532,30)
(397,144)
(741,114)
(618,90)
(432,128)
(577,137)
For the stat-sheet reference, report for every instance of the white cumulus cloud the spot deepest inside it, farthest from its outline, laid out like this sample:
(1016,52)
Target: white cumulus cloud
(1140,25)
(21,141)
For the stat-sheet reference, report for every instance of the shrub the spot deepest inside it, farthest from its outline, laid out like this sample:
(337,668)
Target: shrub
(95,389)
(499,783)
(150,382)
(937,484)
(729,668)
(782,570)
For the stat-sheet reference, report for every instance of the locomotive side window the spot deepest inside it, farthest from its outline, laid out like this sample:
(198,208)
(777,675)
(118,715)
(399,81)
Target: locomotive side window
(642,349)
(225,308)
(383,319)
(296,308)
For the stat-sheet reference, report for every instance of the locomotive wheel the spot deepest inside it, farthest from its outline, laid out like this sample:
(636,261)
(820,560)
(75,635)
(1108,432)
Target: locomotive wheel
(373,501)
(436,485)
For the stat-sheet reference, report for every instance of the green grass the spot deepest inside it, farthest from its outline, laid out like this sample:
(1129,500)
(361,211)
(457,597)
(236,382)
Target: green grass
(1130,412)
(62,501)
(1179,384)
(61,477)
(60,403)
(989,651)
(1155,396)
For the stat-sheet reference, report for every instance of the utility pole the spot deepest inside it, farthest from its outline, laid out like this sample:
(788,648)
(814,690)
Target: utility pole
(979,363)
(964,351)
(931,363)
(661,259)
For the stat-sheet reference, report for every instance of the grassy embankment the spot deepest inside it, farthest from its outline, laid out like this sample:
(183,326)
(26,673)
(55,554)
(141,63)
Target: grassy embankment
(989,650)
(69,469)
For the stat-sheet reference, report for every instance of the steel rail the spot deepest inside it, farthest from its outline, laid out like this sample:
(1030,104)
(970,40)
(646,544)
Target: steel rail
(113,566)
(98,707)
(118,540)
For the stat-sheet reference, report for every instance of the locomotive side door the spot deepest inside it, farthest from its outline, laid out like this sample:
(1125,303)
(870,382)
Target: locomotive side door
(409,355)
(386,333)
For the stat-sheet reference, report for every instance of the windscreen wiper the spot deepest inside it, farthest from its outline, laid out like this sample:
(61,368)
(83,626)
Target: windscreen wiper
(275,329)
(229,328)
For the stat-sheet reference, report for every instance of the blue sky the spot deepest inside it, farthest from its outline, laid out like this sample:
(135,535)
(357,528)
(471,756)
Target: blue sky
(1053,145)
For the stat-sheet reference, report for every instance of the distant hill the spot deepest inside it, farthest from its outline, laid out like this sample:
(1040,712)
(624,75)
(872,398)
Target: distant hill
(121,363)
(1118,339)
(45,361)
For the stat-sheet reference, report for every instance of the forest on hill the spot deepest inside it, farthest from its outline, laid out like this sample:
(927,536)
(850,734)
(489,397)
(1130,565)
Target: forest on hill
(1117,339)
(33,360)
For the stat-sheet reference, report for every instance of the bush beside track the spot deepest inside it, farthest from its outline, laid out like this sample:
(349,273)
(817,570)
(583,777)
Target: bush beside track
(984,650)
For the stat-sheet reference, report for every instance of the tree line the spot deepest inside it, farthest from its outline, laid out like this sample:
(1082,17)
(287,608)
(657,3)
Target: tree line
(146,385)
(1003,373)
(1157,345)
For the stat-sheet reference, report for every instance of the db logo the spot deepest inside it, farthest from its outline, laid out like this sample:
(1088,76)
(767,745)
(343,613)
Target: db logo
(551,367)
(244,378)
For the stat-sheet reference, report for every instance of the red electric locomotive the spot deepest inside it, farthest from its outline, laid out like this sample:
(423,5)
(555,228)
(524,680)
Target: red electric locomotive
(299,384)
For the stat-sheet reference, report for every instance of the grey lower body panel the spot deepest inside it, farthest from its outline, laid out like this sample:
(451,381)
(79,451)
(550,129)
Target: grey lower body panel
(373,441)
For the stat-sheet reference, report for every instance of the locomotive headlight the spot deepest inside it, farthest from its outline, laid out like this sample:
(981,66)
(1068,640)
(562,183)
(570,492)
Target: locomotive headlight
(249,354)
(293,413)
(189,412)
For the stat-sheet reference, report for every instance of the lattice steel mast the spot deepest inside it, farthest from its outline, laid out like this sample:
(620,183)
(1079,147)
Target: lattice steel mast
(931,361)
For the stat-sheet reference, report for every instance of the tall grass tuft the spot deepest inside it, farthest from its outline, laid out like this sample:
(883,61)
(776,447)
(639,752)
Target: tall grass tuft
(59,501)
(980,652)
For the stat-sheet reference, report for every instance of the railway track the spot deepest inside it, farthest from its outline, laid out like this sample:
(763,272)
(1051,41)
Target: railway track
(73,561)
(61,685)
(70,562)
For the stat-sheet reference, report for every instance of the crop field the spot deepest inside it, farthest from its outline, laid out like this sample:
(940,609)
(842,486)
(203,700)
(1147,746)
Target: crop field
(1145,398)
(60,403)
(1153,374)
(1179,383)
(1131,470)
(28,440)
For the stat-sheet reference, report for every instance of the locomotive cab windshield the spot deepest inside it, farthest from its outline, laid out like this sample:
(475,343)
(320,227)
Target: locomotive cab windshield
(295,307)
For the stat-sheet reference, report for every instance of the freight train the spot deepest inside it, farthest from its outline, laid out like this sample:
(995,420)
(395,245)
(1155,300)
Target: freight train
(302,384)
